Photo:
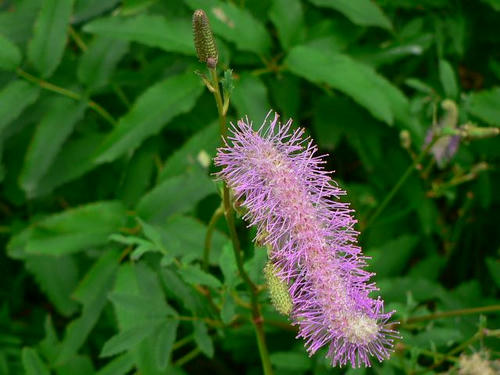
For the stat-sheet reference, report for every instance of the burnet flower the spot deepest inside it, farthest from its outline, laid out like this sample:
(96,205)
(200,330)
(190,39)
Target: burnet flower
(277,177)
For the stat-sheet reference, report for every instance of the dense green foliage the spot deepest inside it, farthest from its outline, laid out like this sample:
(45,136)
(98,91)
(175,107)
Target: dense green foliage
(106,140)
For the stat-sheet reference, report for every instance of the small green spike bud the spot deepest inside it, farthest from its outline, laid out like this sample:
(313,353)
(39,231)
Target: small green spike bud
(278,290)
(204,40)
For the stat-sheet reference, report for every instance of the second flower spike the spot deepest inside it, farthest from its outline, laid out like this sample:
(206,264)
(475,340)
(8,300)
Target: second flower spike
(204,40)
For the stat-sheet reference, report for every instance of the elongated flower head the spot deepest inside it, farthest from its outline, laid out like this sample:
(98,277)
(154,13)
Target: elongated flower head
(204,41)
(276,175)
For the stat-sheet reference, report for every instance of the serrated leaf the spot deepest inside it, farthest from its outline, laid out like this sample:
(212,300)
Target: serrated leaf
(186,157)
(288,18)
(172,35)
(227,311)
(74,160)
(10,55)
(150,113)
(121,365)
(76,229)
(98,62)
(15,97)
(250,98)
(46,49)
(485,105)
(235,25)
(52,131)
(194,275)
(360,12)
(165,338)
(174,195)
(346,75)
(57,277)
(227,263)
(92,292)
(202,338)
(448,79)
(128,339)
(32,363)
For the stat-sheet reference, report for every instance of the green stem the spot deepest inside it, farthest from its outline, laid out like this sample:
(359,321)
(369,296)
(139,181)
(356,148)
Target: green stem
(185,340)
(65,92)
(399,184)
(447,314)
(188,357)
(257,319)
(208,237)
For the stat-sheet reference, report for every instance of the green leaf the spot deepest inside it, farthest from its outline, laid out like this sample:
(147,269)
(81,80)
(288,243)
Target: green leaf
(99,61)
(75,159)
(495,4)
(10,55)
(391,258)
(175,195)
(121,365)
(15,97)
(194,275)
(202,338)
(32,363)
(235,25)
(188,156)
(165,338)
(172,35)
(85,9)
(288,18)
(184,236)
(46,49)
(227,263)
(150,113)
(494,268)
(92,292)
(250,98)
(291,361)
(360,12)
(448,79)
(255,265)
(128,339)
(227,311)
(485,105)
(54,128)
(57,277)
(346,75)
(76,229)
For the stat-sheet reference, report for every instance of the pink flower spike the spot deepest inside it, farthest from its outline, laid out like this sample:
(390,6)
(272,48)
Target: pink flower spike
(277,176)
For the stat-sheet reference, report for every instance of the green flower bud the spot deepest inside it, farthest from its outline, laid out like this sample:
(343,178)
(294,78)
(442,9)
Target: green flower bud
(204,40)
(278,290)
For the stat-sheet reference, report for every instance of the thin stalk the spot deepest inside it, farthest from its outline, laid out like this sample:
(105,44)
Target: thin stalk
(229,215)
(399,184)
(65,92)
(208,237)
(184,341)
(448,314)
(188,357)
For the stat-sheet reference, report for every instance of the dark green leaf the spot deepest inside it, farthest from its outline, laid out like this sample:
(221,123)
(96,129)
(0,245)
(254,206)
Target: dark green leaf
(235,25)
(250,98)
(288,18)
(128,339)
(85,9)
(227,311)
(291,361)
(152,110)
(361,12)
(172,35)
(119,366)
(485,105)
(202,338)
(194,275)
(165,338)
(32,363)
(15,97)
(10,55)
(175,195)
(54,128)
(76,229)
(47,46)
(448,79)
(99,61)
(227,263)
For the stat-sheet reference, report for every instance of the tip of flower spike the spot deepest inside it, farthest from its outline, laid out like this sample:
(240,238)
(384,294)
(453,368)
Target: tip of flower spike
(204,41)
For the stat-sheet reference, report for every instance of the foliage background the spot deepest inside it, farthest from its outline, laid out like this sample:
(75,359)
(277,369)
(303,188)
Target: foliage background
(106,136)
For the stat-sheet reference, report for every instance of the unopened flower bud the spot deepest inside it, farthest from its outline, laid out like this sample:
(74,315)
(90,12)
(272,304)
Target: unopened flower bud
(278,290)
(204,40)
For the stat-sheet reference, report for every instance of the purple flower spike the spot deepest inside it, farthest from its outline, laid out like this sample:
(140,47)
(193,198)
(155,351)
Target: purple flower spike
(293,202)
